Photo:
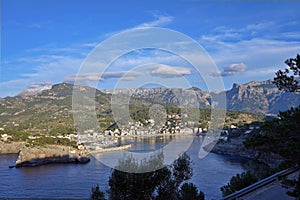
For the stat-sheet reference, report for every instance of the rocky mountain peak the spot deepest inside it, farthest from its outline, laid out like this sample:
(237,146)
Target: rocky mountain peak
(35,88)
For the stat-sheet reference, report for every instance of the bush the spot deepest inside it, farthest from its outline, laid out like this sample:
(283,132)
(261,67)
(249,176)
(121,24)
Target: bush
(189,191)
(161,184)
(97,194)
(238,182)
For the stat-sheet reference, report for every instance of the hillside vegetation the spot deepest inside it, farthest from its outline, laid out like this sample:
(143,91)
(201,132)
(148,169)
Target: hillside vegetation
(49,113)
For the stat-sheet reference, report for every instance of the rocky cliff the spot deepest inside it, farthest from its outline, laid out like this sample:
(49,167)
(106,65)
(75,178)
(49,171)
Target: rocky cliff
(12,147)
(177,96)
(50,154)
(235,147)
(260,97)
(256,96)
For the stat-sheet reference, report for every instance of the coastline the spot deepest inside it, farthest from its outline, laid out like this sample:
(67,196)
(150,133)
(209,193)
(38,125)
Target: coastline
(184,133)
(235,147)
(41,155)
(30,157)
(35,156)
(104,150)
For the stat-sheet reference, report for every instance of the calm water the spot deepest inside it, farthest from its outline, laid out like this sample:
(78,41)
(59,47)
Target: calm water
(75,180)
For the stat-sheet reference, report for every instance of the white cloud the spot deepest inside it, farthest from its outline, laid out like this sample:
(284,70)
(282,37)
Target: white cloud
(13,87)
(261,72)
(230,70)
(224,33)
(160,20)
(257,51)
(124,75)
(259,26)
(45,68)
(158,70)
(82,77)
(55,63)
(142,60)
(168,71)
(263,47)
(39,84)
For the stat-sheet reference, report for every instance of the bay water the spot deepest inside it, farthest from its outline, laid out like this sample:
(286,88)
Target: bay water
(74,181)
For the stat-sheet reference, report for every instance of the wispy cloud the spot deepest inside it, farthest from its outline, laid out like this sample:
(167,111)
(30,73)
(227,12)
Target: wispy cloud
(160,20)
(225,33)
(150,58)
(263,46)
(158,70)
(39,84)
(230,70)
(124,75)
(168,71)
(82,77)
(261,72)
(44,68)
(57,63)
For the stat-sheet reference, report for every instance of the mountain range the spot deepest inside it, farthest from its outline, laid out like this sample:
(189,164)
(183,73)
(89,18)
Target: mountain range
(46,108)
(49,109)
(257,97)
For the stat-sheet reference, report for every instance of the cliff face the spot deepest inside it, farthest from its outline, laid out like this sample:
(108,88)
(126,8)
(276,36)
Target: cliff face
(260,97)
(235,147)
(51,154)
(256,96)
(13,147)
(170,95)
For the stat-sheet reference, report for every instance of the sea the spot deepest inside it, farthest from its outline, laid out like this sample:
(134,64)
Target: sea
(74,181)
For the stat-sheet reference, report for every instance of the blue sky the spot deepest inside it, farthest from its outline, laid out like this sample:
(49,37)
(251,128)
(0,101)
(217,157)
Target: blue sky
(47,41)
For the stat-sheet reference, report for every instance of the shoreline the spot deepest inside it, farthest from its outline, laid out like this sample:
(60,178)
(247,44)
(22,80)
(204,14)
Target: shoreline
(152,135)
(110,149)
(35,156)
(235,147)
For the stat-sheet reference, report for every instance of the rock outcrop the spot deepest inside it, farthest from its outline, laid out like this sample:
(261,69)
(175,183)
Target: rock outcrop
(50,154)
(12,147)
(235,147)
(36,88)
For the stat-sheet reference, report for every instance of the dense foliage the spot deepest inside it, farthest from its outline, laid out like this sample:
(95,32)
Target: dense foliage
(16,135)
(189,191)
(163,183)
(288,79)
(238,182)
(280,136)
(96,194)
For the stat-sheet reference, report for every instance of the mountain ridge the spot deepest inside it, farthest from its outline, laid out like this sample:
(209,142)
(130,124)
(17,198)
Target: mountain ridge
(255,96)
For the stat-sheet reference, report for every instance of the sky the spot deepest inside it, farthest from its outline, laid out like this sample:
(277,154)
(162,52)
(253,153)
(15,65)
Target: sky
(93,42)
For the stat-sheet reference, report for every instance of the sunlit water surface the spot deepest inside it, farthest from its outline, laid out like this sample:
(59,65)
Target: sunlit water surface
(76,180)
